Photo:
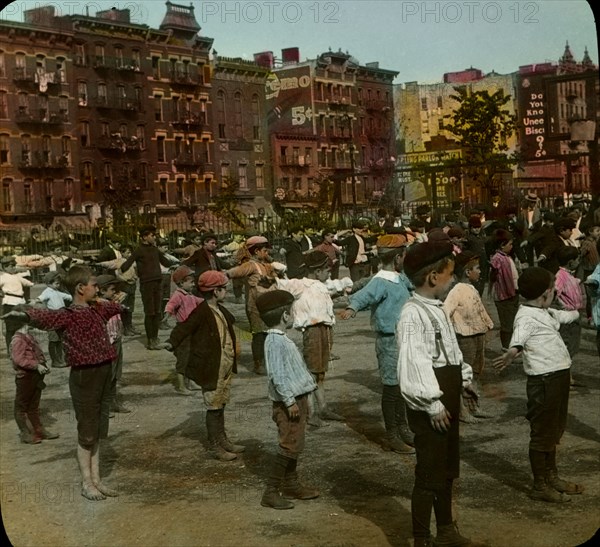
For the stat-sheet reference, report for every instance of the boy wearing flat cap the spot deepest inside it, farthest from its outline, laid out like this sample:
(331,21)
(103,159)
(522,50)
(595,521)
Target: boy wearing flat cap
(212,358)
(547,364)
(290,384)
(385,294)
(432,376)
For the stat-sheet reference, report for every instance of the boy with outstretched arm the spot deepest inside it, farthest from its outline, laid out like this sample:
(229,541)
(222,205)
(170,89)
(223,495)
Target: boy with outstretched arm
(290,384)
(89,353)
(432,377)
(547,364)
(385,294)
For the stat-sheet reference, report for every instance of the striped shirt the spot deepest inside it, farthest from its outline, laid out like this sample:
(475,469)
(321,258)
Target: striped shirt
(288,376)
(568,290)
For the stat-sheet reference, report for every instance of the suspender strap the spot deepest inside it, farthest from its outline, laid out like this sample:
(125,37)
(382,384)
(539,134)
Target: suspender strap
(439,341)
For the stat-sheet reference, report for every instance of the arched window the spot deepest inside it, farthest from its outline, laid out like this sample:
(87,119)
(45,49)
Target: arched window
(7,195)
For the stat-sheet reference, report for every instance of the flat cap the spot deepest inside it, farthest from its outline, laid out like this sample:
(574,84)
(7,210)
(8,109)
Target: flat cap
(421,255)
(256,240)
(105,280)
(456,231)
(391,241)
(534,282)
(272,300)
(462,260)
(181,273)
(212,279)
(315,259)
(475,221)
(145,230)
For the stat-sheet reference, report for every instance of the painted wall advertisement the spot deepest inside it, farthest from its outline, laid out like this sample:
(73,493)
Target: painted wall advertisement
(533,112)
(288,96)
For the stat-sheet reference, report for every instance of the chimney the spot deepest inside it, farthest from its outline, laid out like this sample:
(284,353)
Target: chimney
(264,59)
(290,55)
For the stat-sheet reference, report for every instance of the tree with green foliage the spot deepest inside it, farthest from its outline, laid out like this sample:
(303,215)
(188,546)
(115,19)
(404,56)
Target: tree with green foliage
(483,125)
(225,204)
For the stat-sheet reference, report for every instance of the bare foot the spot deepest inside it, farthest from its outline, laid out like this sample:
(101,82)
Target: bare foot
(90,492)
(107,491)
(468,418)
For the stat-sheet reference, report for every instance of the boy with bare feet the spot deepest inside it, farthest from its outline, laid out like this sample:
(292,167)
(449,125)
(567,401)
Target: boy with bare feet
(90,354)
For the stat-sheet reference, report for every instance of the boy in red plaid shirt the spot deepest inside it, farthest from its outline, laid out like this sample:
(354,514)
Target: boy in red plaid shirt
(90,354)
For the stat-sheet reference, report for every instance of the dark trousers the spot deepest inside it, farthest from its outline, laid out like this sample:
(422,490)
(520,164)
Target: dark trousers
(437,457)
(547,408)
(128,302)
(291,432)
(11,325)
(151,292)
(27,399)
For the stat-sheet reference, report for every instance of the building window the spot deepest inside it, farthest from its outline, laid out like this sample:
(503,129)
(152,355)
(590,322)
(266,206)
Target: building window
(27,196)
(2,65)
(163,190)
(158,109)
(80,58)
(143,176)
(160,148)
(119,57)
(237,108)
(3,104)
(99,51)
(440,124)
(49,184)
(136,59)
(65,144)
(424,103)
(221,113)
(102,95)
(108,175)
(67,201)
(156,67)
(255,118)
(243,176)
(84,134)
(225,174)
(260,177)
(63,107)
(7,196)
(82,94)
(179,190)
(46,149)
(25,150)
(123,131)
(87,175)
(4,149)
(61,71)
(23,104)
(140,133)
(439,101)
(178,140)
(105,129)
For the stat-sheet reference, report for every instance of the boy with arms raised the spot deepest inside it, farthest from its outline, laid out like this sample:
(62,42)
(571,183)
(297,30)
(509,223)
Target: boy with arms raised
(432,376)
(89,353)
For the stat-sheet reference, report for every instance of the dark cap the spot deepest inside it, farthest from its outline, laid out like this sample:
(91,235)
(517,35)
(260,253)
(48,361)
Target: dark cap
(534,282)
(207,236)
(564,223)
(315,259)
(437,234)
(475,221)
(272,300)
(421,255)
(423,210)
(456,231)
(50,277)
(462,260)
(145,230)
(106,280)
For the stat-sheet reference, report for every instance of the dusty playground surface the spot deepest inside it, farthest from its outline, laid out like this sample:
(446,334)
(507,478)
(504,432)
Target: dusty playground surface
(172,493)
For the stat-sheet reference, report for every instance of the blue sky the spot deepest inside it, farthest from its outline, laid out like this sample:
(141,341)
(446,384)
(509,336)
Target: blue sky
(419,39)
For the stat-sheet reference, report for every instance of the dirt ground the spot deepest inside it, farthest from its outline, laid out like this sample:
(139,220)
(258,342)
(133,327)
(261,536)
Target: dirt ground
(172,493)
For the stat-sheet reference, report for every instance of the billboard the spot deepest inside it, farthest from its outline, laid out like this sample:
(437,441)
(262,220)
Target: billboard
(533,115)
(289,101)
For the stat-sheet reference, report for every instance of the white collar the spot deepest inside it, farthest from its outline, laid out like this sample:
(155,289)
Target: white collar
(394,277)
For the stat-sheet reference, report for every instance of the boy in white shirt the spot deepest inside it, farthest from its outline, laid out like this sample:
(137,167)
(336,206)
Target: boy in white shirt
(547,363)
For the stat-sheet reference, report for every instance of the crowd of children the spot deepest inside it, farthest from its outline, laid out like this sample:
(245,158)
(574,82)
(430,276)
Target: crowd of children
(426,300)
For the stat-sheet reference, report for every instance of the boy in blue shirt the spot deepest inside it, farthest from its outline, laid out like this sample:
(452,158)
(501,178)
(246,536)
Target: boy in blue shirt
(386,293)
(290,384)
